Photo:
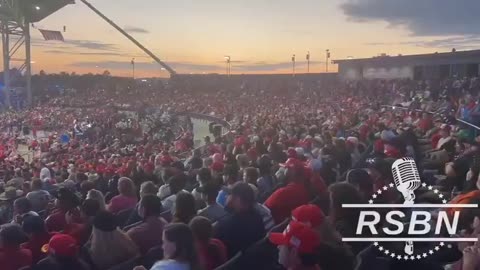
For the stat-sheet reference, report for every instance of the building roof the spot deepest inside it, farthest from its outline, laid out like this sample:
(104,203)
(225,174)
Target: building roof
(32,10)
(447,56)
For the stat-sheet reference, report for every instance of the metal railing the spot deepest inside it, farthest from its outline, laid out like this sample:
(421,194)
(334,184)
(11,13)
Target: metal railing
(475,127)
(226,126)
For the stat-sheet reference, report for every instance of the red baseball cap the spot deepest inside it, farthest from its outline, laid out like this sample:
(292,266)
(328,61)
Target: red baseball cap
(149,167)
(293,163)
(309,214)
(166,160)
(62,245)
(298,236)
(217,166)
(291,153)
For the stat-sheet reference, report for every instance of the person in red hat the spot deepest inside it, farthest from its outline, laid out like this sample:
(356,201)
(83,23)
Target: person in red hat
(297,247)
(291,153)
(294,194)
(62,250)
(313,217)
(309,214)
(148,173)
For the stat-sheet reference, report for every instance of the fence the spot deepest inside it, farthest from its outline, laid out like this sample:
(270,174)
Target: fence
(207,119)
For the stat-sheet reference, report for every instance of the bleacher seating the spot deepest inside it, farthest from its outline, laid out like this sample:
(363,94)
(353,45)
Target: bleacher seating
(231,264)
(167,215)
(261,255)
(127,265)
(122,217)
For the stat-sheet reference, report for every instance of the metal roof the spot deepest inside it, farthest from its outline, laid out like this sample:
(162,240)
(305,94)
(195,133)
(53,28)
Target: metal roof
(32,10)
(412,58)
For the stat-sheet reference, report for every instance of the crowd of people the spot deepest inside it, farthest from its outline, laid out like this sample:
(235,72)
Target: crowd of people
(104,191)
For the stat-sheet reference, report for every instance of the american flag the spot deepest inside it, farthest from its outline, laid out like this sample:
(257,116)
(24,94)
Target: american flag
(51,35)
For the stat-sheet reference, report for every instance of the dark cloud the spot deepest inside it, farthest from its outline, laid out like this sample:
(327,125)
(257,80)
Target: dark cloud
(94,45)
(75,44)
(134,29)
(421,17)
(95,53)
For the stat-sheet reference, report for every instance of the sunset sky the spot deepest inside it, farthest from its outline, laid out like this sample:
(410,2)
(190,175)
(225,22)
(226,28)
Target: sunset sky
(260,35)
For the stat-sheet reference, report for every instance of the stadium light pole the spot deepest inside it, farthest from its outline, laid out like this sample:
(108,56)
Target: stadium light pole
(293,65)
(133,68)
(227,62)
(327,57)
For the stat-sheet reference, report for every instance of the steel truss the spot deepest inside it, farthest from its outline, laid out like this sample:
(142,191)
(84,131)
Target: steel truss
(12,24)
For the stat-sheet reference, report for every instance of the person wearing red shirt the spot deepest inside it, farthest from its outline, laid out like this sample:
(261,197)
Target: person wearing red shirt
(35,228)
(66,201)
(294,194)
(81,228)
(12,256)
(312,172)
(211,252)
(127,199)
(425,123)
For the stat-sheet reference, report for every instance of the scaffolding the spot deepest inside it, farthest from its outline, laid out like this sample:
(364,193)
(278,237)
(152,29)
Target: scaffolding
(15,30)
(16,16)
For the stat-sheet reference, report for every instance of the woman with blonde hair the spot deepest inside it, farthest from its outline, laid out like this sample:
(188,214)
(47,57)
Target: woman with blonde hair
(109,246)
(127,199)
(97,196)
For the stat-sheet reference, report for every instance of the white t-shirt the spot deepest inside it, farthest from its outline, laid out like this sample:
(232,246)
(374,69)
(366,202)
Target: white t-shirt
(170,265)
(442,141)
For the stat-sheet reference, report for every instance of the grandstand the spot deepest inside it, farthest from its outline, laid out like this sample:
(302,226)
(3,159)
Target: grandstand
(418,67)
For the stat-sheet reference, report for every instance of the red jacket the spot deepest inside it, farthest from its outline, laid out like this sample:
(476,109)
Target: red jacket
(35,245)
(15,258)
(209,260)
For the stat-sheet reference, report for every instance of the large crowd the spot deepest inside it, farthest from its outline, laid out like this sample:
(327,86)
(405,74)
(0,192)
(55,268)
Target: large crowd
(111,178)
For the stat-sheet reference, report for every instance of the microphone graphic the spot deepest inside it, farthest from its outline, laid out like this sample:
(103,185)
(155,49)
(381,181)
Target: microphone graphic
(407,180)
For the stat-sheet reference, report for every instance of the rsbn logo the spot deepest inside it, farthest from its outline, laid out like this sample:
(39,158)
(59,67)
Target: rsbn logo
(408,219)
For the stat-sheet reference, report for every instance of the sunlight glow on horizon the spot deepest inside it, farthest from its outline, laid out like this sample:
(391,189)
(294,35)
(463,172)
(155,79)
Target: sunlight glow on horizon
(259,35)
